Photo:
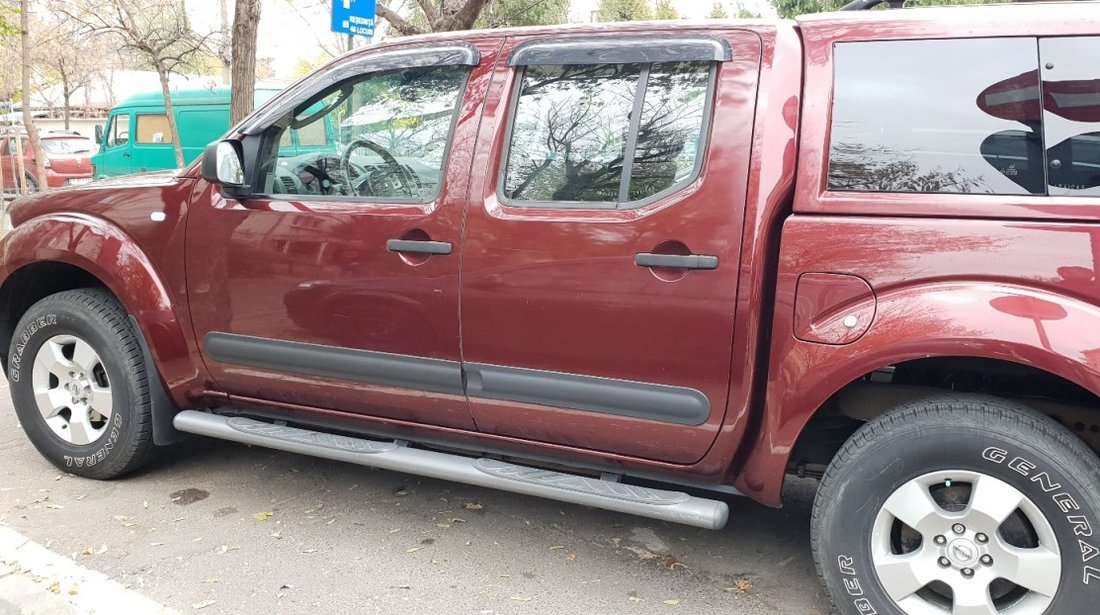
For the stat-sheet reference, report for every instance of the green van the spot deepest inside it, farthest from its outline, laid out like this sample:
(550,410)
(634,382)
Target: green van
(137,139)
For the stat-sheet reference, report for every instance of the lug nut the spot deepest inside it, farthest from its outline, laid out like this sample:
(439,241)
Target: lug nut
(987,560)
(958,528)
(982,538)
(944,562)
(940,540)
(967,572)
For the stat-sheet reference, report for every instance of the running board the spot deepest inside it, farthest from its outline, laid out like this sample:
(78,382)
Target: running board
(671,506)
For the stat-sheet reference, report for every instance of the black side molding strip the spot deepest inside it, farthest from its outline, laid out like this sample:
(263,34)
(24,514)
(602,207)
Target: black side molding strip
(655,402)
(435,375)
(419,247)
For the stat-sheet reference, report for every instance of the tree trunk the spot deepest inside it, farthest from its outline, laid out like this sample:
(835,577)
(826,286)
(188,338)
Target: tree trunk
(28,117)
(162,72)
(20,166)
(223,56)
(68,108)
(246,21)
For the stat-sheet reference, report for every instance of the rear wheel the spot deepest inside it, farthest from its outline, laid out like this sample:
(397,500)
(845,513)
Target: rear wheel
(79,384)
(961,505)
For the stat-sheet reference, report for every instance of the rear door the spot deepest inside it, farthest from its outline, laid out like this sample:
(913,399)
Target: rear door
(600,258)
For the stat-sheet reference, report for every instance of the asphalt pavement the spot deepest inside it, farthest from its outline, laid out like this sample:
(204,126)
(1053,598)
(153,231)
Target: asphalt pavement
(217,527)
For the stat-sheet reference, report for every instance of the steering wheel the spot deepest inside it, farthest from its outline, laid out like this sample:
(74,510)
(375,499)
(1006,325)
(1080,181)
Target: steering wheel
(407,183)
(324,181)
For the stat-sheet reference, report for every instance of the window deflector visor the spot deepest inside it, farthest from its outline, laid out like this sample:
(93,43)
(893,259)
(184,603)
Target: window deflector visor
(298,96)
(639,50)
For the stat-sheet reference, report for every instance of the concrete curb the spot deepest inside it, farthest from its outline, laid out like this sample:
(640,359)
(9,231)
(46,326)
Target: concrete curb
(28,570)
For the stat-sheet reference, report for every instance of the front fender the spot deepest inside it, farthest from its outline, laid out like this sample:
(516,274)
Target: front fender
(110,255)
(1018,324)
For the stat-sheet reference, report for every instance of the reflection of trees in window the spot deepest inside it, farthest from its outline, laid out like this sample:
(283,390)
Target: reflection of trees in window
(407,112)
(670,131)
(572,130)
(856,167)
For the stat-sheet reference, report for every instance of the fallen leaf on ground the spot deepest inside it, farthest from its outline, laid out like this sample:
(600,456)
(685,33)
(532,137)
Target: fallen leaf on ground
(741,586)
(556,547)
(472,506)
(276,535)
(412,550)
(55,506)
(443,525)
(401,491)
(521,598)
(55,587)
(642,554)
(203,604)
(263,516)
(73,590)
(633,598)
(671,563)
(672,601)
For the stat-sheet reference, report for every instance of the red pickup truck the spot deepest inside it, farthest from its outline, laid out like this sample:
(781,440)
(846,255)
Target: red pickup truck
(638,267)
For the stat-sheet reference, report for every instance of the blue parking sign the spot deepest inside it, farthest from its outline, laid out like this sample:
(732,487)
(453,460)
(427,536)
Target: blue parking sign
(353,17)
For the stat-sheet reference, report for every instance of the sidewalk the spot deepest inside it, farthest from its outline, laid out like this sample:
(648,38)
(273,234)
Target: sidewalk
(37,581)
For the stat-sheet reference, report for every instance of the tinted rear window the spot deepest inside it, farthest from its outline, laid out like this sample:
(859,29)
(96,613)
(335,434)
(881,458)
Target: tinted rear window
(937,116)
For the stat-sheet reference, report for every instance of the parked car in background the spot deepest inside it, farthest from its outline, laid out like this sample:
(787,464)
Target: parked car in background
(136,137)
(68,160)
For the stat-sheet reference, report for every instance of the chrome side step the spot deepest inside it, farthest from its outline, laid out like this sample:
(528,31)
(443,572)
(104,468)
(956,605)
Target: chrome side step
(671,506)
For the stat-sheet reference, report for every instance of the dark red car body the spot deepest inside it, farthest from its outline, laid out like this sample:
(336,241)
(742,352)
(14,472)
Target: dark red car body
(1008,279)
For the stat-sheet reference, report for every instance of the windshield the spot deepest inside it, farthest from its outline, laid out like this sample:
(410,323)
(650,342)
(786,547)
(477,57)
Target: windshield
(75,145)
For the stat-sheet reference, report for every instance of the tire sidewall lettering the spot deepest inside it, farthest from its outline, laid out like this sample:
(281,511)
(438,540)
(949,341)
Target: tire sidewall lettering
(845,545)
(1078,522)
(22,341)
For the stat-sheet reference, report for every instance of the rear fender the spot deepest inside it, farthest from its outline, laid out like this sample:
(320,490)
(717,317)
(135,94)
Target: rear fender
(1011,323)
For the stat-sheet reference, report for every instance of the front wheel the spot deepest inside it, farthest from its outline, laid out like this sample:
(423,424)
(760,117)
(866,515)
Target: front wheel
(79,384)
(960,505)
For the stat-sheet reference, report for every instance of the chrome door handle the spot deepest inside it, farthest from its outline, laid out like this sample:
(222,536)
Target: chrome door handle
(418,247)
(676,261)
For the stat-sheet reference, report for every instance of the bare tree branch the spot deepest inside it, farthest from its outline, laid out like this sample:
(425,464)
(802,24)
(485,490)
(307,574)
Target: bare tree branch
(397,21)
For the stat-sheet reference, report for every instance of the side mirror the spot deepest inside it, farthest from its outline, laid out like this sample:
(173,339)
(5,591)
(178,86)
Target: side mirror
(223,164)
(99,133)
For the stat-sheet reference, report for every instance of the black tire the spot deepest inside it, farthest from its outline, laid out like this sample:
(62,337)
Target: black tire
(32,184)
(94,316)
(974,436)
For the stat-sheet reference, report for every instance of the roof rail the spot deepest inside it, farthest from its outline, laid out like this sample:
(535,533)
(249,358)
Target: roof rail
(863,5)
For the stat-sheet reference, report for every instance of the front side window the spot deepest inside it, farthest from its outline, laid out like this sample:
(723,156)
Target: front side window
(609,134)
(153,129)
(391,134)
(119,131)
(937,116)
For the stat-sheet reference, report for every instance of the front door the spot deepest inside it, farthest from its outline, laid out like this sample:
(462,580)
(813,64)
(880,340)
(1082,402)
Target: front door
(336,285)
(600,258)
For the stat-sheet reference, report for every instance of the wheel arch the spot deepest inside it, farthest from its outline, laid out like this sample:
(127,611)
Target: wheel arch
(51,254)
(913,326)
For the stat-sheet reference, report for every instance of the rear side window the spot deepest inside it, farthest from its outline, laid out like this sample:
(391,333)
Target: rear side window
(1071,114)
(937,116)
(606,135)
